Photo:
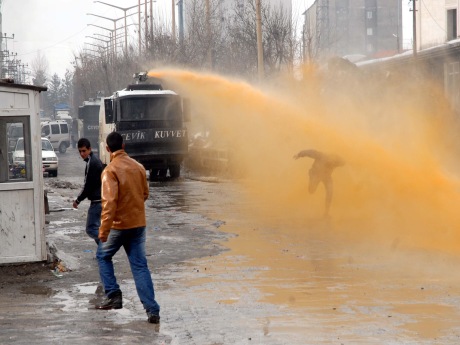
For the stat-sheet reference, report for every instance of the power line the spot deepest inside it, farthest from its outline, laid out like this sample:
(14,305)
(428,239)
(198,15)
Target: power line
(55,44)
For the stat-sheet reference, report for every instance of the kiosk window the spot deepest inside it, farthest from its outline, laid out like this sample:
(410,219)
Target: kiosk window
(15,148)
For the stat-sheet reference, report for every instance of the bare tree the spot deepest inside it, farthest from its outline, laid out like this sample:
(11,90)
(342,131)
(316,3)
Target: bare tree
(40,67)
(217,37)
(54,88)
(40,78)
(162,46)
(279,40)
(240,44)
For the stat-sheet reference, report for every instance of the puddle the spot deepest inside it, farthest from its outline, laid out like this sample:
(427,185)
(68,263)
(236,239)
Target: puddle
(37,290)
(87,288)
(63,222)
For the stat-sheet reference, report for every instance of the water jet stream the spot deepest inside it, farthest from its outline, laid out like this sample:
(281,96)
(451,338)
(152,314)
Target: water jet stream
(399,186)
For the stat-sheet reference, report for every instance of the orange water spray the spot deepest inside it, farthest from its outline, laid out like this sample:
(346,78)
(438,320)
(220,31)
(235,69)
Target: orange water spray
(399,184)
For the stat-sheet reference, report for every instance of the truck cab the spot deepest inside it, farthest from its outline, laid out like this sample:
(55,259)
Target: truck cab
(88,114)
(151,121)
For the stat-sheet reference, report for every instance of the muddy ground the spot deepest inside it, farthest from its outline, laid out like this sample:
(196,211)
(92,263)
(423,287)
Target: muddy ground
(221,278)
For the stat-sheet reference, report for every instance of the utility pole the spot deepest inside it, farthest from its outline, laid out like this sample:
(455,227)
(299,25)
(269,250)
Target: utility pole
(260,49)
(398,25)
(114,26)
(124,9)
(208,34)
(146,22)
(107,42)
(1,41)
(6,40)
(139,21)
(173,13)
(414,27)
(180,3)
(151,21)
(112,38)
(6,56)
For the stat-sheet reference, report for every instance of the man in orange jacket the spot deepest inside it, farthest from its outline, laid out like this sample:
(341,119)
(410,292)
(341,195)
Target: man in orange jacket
(124,191)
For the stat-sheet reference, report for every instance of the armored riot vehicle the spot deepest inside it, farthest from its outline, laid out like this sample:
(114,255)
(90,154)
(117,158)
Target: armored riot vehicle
(152,123)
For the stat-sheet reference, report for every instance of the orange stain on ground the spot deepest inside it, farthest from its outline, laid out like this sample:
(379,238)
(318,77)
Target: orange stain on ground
(395,203)
(399,181)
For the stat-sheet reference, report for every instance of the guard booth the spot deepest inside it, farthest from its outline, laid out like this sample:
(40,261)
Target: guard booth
(22,216)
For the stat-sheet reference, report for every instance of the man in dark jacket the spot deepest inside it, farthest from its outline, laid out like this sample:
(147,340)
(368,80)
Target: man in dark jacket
(91,188)
(321,171)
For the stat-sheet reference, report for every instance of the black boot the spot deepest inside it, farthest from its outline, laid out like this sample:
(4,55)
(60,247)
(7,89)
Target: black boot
(115,301)
(153,318)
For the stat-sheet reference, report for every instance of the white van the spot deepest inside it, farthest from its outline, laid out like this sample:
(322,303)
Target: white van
(65,117)
(58,133)
(50,160)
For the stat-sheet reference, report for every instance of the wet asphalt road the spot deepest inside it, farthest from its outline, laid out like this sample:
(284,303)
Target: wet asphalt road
(43,307)
(221,278)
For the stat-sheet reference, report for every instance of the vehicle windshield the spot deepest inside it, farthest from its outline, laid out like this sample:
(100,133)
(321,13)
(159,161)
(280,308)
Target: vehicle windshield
(20,145)
(89,113)
(162,108)
(16,131)
(46,146)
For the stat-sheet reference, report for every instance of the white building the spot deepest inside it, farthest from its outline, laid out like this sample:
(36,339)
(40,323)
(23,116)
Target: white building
(437,22)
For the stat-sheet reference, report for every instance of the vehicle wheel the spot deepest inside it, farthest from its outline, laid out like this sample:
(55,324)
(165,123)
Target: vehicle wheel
(157,174)
(174,171)
(153,176)
(62,148)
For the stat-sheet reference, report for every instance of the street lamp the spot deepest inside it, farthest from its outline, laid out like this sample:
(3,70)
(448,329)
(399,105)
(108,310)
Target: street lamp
(397,42)
(101,48)
(111,37)
(114,23)
(100,39)
(86,54)
(125,9)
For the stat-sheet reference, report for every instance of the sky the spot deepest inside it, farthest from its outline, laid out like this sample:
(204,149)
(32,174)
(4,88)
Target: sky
(58,28)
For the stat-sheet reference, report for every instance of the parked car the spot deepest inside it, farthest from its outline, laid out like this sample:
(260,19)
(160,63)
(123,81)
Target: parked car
(15,131)
(49,157)
(58,133)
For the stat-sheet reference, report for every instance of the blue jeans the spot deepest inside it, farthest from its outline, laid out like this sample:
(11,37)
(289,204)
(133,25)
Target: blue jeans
(133,241)
(93,221)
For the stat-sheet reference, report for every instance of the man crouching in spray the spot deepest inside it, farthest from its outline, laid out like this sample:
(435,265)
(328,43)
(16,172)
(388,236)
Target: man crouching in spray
(321,171)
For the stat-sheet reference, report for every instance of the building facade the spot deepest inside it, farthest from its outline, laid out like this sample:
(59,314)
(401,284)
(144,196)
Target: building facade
(367,28)
(437,22)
